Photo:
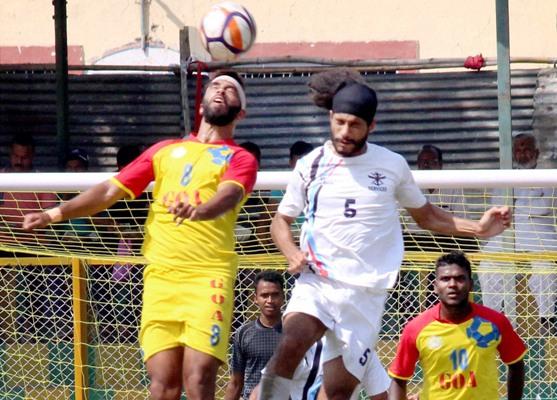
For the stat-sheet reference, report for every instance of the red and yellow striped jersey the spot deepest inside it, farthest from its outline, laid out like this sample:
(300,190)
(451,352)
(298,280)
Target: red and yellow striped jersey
(458,358)
(189,170)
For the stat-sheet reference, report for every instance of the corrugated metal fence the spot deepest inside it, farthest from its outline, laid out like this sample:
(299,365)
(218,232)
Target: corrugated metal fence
(456,111)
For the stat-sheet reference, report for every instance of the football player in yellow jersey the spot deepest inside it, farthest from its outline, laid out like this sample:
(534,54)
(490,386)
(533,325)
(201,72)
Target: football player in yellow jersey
(457,342)
(201,183)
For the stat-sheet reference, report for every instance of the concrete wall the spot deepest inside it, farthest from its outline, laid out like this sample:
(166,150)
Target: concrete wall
(441,28)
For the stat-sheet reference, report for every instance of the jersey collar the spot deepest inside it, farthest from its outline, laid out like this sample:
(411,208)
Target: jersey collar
(437,314)
(193,138)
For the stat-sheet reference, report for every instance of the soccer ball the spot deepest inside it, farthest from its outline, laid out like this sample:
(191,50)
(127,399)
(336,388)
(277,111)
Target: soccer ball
(227,30)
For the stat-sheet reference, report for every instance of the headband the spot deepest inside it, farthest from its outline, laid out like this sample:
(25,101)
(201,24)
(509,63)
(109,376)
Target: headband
(356,99)
(239,88)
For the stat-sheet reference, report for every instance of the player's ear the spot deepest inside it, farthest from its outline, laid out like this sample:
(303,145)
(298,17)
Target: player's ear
(435,286)
(371,126)
(241,115)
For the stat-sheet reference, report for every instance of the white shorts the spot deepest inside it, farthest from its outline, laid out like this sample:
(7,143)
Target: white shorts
(352,315)
(308,378)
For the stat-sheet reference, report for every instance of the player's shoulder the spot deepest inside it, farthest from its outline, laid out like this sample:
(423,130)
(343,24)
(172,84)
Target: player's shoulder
(240,152)
(245,329)
(162,144)
(385,155)
(418,323)
(489,314)
(248,326)
(309,158)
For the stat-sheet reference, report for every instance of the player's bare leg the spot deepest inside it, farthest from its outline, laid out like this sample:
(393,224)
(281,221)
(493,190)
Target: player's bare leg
(165,372)
(339,384)
(200,374)
(299,332)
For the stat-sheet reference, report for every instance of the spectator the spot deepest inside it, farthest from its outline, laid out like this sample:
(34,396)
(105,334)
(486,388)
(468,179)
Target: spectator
(14,205)
(534,230)
(429,158)
(126,154)
(297,151)
(77,161)
(254,342)
(456,343)
(31,287)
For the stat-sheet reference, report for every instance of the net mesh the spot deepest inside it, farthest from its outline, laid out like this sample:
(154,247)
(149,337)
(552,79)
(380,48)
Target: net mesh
(71,293)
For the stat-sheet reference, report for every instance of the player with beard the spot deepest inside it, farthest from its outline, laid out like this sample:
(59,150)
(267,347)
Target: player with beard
(456,343)
(351,244)
(201,183)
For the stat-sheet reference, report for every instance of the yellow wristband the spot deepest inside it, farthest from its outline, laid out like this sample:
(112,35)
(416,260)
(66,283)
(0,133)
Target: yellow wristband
(55,214)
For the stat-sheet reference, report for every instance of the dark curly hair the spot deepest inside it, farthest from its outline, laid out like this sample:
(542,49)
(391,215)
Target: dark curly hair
(269,276)
(324,85)
(455,257)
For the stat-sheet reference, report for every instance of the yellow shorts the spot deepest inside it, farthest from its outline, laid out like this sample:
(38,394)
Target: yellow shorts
(184,308)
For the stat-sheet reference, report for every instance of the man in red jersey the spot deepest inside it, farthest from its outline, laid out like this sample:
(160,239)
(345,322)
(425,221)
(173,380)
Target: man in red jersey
(201,183)
(456,343)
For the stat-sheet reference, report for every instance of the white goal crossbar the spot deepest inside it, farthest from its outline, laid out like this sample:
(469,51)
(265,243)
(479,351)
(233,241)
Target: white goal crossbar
(278,179)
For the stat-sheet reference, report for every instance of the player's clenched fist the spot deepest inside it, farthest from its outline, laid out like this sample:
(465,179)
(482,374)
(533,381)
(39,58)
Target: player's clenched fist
(35,221)
(296,262)
(494,221)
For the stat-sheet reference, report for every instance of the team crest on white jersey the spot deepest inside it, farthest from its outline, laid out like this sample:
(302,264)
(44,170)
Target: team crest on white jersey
(377,184)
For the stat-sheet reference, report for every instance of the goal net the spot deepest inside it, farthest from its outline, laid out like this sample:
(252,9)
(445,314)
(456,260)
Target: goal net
(70,294)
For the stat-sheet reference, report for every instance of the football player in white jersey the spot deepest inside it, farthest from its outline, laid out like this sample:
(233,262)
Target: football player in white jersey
(351,243)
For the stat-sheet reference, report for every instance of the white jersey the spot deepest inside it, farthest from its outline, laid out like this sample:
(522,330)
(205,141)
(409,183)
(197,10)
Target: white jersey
(352,227)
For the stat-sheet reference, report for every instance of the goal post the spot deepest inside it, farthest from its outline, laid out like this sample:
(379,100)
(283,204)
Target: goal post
(70,294)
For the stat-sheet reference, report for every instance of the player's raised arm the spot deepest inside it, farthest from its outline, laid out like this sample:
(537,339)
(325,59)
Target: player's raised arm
(228,195)
(90,202)
(493,221)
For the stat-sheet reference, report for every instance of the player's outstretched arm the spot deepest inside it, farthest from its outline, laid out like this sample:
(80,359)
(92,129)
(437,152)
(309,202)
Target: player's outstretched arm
(515,380)
(90,202)
(397,391)
(493,222)
(282,236)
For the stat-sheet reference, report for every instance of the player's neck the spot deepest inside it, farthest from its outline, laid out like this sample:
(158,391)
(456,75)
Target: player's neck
(456,313)
(211,133)
(269,322)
